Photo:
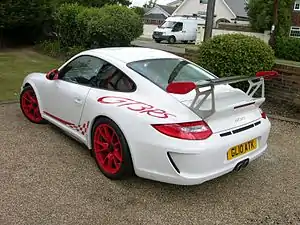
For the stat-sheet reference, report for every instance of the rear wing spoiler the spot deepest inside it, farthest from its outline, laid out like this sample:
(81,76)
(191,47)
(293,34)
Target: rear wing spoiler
(254,84)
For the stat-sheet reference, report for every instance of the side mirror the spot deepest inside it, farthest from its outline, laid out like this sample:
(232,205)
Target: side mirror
(181,87)
(52,74)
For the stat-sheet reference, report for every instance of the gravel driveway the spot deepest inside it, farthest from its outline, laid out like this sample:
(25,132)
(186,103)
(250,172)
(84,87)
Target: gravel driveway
(47,178)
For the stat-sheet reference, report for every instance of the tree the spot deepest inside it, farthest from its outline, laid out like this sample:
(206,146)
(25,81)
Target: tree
(260,13)
(95,3)
(139,10)
(22,19)
(150,4)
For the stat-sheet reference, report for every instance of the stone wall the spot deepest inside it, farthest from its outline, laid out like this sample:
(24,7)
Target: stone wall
(285,89)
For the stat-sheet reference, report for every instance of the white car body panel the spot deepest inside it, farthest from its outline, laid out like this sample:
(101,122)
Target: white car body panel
(74,108)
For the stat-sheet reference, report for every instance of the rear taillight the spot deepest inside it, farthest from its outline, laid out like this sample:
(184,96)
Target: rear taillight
(189,131)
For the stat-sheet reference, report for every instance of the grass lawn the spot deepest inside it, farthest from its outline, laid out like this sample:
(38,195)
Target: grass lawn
(15,65)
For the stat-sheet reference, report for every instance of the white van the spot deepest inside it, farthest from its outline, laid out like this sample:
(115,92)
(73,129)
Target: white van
(178,29)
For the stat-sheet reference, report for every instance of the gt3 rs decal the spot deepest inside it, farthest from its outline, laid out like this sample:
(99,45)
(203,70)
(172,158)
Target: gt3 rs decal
(80,128)
(135,106)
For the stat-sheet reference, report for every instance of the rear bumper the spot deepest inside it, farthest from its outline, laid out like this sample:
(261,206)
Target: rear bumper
(195,163)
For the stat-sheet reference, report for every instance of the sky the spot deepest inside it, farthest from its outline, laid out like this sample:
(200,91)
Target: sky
(142,2)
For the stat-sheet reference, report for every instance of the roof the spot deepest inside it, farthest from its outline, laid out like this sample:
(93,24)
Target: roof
(175,2)
(155,16)
(130,54)
(168,9)
(238,7)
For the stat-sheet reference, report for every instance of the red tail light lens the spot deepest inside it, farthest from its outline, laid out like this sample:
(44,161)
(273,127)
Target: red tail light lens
(189,131)
(263,115)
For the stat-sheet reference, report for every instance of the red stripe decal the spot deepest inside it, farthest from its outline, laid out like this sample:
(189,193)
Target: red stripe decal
(135,106)
(59,119)
(80,128)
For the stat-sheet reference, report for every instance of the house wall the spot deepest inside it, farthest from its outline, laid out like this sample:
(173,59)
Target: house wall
(194,6)
(200,34)
(148,30)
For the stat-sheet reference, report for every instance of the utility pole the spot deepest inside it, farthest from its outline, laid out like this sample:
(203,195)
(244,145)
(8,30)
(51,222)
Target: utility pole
(272,41)
(210,12)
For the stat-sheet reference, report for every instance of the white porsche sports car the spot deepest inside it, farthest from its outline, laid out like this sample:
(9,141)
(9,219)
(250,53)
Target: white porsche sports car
(151,113)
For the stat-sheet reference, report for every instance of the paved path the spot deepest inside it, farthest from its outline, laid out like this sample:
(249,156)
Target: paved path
(47,178)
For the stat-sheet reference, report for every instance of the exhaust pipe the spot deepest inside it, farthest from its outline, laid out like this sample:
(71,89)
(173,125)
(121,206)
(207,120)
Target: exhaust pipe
(241,165)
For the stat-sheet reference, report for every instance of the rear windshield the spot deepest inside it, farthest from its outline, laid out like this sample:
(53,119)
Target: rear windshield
(164,71)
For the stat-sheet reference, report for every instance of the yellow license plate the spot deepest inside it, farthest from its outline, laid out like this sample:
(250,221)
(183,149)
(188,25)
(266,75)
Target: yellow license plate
(241,149)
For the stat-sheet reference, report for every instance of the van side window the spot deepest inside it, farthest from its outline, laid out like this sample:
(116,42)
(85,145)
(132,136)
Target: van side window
(178,27)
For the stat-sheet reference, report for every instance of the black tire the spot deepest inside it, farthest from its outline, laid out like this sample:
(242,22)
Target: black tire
(171,40)
(126,168)
(157,41)
(37,120)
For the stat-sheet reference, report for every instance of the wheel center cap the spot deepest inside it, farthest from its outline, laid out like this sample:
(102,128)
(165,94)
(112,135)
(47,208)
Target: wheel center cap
(111,148)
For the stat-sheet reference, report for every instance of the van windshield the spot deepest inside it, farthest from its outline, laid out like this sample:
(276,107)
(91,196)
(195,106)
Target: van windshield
(168,24)
(164,71)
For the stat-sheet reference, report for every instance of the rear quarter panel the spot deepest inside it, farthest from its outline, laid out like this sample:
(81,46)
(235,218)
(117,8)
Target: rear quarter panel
(134,112)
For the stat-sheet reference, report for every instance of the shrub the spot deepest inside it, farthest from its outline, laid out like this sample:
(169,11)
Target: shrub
(111,25)
(22,21)
(235,54)
(288,48)
(67,25)
(55,49)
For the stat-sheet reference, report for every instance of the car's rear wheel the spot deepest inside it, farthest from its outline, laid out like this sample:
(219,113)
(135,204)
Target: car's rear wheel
(110,150)
(30,106)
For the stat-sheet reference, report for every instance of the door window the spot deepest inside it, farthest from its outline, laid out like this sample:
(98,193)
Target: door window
(178,27)
(81,70)
(111,78)
(96,73)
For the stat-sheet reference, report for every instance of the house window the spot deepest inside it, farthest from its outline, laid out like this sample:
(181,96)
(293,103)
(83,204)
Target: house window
(295,32)
(297,5)
(203,1)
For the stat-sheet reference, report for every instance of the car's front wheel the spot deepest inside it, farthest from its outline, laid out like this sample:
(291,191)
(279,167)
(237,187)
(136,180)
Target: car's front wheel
(110,150)
(30,106)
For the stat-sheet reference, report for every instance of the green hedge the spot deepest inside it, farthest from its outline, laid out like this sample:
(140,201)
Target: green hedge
(288,48)
(111,25)
(235,54)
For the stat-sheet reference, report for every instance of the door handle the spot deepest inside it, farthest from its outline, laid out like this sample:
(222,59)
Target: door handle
(183,31)
(78,101)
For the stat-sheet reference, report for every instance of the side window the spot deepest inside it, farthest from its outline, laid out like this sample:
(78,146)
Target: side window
(111,78)
(178,27)
(81,70)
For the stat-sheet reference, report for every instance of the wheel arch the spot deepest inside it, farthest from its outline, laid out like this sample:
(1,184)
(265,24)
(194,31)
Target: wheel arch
(31,84)
(90,134)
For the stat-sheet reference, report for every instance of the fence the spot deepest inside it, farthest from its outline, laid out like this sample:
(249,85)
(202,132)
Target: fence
(200,34)
(149,28)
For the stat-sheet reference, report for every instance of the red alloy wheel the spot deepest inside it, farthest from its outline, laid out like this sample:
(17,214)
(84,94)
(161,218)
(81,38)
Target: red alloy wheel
(108,149)
(30,106)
